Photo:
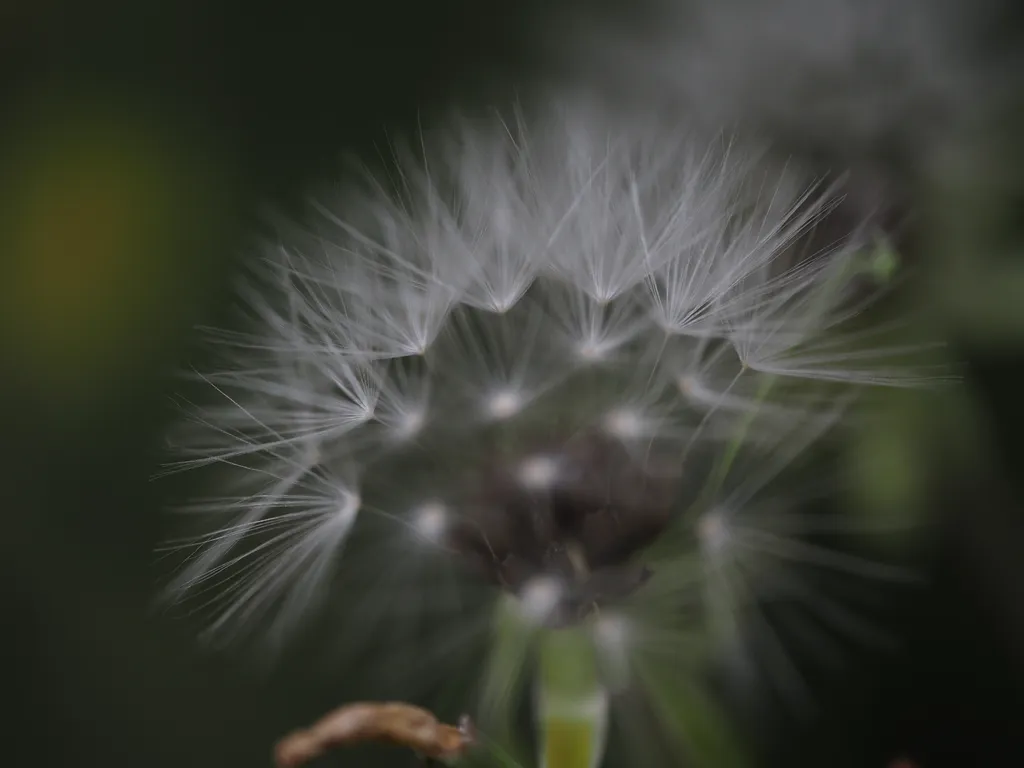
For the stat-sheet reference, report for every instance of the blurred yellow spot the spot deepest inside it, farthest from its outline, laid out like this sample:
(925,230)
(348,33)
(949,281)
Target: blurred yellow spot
(101,215)
(569,743)
(82,240)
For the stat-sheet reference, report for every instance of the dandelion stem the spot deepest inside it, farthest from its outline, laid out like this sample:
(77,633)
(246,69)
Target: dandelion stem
(513,640)
(572,705)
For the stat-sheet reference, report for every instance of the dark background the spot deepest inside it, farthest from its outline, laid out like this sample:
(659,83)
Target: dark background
(194,117)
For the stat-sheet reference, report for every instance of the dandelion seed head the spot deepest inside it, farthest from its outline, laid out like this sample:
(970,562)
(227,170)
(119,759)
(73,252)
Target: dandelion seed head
(539,473)
(557,326)
(540,598)
(593,350)
(613,634)
(410,424)
(504,404)
(713,534)
(345,512)
(626,424)
(430,521)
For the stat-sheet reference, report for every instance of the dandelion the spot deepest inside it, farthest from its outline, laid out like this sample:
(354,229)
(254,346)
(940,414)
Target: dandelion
(544,380)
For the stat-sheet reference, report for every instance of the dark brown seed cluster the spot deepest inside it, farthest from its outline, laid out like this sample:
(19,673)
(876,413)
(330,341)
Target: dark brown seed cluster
(584,527)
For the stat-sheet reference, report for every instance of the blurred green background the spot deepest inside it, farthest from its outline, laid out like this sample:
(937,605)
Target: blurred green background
(141,145)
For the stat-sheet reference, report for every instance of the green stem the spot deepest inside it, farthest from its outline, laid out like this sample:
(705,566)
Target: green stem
(572,705)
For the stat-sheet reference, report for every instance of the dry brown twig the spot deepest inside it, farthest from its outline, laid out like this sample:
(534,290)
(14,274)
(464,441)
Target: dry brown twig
(396,723)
